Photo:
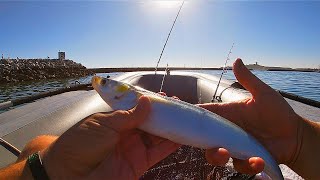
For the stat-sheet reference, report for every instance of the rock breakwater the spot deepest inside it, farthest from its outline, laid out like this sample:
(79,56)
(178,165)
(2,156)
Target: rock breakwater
(17,70)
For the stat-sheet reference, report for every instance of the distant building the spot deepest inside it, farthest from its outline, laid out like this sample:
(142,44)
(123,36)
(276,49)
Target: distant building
(62,55)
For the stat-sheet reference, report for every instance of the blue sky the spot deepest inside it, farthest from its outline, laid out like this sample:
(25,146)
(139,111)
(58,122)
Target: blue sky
(132,33)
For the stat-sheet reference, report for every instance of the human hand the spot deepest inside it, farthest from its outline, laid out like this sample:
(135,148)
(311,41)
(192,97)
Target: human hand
(107,145)
(267,116)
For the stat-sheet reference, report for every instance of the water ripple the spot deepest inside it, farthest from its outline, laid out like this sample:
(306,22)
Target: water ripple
(305,84)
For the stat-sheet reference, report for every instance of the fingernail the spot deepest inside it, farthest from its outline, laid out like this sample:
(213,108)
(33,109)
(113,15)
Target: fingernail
(252,163)
(240,63)
(237,63)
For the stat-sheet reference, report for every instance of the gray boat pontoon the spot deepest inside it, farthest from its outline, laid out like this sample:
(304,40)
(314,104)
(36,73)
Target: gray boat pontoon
(54,115)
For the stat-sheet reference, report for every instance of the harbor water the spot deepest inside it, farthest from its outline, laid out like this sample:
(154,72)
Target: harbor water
(305,84)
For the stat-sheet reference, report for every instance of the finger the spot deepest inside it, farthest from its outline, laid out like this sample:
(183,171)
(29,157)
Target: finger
(141,111)
(250,166)
(217,156)
(126,120)
(162,93)
(175,97)
(161,151)
(231,111)
(248,80)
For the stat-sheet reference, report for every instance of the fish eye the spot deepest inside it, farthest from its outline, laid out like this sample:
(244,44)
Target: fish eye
(103,82)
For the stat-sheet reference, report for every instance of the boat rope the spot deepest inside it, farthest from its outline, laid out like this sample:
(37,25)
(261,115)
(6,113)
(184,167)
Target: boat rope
(301,99)
(164,75)
(165,44)
(304,100)
(223,71)
(10,147)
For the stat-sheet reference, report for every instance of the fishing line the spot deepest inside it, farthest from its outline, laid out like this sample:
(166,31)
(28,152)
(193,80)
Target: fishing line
(200,89)
(223,71)
(165,44)
(164,75)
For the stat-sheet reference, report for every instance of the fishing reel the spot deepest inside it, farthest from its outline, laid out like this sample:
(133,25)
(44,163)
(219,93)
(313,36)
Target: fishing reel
(216,99)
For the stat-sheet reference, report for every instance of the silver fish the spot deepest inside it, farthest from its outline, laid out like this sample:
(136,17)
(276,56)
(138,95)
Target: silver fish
(185,123)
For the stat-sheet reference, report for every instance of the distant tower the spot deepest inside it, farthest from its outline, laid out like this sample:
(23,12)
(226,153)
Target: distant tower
(62,55)
(2,56)
(256,63)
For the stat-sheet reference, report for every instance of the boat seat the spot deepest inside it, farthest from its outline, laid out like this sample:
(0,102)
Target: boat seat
(184,87)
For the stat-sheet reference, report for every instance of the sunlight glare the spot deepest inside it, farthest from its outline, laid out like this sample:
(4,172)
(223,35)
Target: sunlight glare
(167,4)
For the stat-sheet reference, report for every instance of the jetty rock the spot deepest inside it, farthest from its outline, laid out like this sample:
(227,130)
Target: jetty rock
(18,70)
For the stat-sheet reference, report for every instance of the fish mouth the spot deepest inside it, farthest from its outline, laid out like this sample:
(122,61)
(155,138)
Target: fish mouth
(96,80)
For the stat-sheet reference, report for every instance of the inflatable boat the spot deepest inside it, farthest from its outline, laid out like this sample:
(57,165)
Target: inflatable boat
(55,114)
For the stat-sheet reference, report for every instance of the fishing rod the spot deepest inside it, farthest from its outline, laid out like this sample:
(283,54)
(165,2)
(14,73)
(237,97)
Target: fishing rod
(165,44)
(223,71)
(10,147)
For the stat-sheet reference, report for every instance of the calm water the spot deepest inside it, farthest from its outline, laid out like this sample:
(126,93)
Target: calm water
(306,84)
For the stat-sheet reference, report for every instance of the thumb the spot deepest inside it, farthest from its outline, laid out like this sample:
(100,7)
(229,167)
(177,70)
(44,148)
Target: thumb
(248,80)
(140,112)
(126,120)
(229,110)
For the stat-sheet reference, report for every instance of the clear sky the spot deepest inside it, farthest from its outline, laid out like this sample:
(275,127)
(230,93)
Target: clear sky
(132,33)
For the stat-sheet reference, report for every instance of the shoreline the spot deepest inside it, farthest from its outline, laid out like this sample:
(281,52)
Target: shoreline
(132,69)
(20,70)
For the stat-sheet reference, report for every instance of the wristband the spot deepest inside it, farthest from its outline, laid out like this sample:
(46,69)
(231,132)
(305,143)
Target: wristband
(36,167)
